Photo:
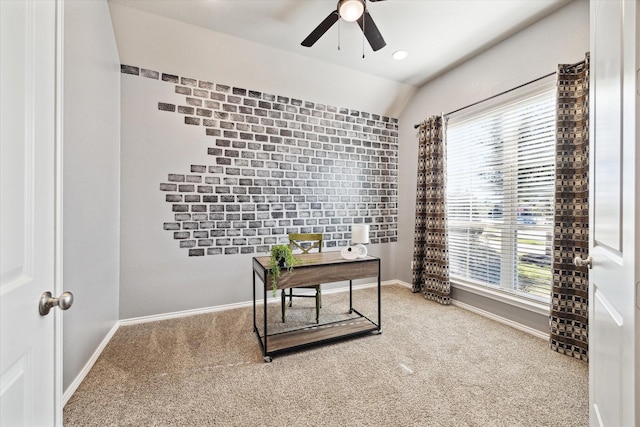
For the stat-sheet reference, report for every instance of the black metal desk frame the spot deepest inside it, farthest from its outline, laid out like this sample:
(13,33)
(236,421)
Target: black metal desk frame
(338,269)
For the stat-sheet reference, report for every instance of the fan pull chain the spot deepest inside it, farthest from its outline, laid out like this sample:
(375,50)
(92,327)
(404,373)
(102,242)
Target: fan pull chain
(339,34)
(363,29)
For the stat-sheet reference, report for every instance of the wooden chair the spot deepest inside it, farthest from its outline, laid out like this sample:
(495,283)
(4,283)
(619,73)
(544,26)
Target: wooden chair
(305,242)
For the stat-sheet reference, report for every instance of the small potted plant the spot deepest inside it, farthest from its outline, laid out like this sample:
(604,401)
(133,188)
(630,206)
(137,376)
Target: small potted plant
(281,257)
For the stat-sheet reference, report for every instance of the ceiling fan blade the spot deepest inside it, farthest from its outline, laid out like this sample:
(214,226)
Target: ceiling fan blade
(371,31)
(321,29)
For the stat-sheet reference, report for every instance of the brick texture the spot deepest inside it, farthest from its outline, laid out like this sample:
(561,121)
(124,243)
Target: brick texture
(278,165)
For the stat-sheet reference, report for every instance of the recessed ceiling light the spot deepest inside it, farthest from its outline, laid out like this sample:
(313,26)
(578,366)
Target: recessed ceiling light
(399,55)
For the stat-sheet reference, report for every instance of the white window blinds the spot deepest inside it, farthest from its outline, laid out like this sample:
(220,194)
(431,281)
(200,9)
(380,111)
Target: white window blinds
(500,190)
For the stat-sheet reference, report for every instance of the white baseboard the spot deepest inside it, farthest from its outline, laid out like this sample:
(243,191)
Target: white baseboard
(213,309)
(164,316)
(87,367)
(500,319)
(489,315)
(156,317)
(401,283)
(184,313)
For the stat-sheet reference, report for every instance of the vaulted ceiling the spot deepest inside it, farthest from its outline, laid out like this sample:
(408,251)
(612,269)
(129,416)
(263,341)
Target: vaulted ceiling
(437,34)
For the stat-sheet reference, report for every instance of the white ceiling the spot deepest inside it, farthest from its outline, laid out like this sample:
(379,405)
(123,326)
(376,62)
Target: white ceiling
(438,34)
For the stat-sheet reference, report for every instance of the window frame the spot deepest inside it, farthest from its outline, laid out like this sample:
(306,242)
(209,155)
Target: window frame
(512,296)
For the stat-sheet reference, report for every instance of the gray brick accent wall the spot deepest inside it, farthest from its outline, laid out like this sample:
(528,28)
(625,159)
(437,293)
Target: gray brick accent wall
(278,165)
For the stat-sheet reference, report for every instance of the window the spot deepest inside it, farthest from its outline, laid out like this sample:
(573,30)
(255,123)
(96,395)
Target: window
(500,192)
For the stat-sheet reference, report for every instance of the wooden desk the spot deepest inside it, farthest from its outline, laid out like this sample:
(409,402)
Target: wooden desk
(325,267)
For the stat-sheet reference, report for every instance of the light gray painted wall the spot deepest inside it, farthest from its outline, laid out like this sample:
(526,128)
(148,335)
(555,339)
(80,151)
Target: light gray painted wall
(156,275)
(91,180)
(169,46)
(560,38)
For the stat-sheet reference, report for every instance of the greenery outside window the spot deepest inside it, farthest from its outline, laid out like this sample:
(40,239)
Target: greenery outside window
(500,191)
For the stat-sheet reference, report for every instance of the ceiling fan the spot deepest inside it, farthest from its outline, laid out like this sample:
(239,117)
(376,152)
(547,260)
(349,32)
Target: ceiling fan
(350,11)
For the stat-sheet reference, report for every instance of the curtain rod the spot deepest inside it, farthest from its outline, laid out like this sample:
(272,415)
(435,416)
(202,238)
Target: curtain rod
(507,91)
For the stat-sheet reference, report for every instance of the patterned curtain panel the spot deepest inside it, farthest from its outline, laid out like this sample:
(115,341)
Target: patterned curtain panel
(430,250)
(569,325)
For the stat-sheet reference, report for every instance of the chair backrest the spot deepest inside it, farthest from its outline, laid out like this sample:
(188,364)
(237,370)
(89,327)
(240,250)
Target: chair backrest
(305,241)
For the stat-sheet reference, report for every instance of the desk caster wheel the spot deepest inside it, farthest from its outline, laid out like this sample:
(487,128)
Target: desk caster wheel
(267,359)
(378,332)
(350,311)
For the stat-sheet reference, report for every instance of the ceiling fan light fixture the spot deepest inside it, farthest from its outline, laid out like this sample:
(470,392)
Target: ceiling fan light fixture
(350,10)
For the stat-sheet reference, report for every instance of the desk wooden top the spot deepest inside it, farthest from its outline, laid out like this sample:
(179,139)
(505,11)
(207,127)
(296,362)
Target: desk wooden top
(317,258)
(323,267)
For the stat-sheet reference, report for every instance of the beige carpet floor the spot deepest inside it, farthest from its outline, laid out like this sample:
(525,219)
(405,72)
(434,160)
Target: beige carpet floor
(431,366)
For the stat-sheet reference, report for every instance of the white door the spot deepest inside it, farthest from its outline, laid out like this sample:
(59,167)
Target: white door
(29,392)
(614,224)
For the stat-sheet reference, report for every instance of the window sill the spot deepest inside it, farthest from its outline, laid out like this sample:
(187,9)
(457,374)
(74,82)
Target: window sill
(503,297)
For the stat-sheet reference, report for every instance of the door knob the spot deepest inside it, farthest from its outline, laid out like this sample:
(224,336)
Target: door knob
(579,262)
(47,301)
